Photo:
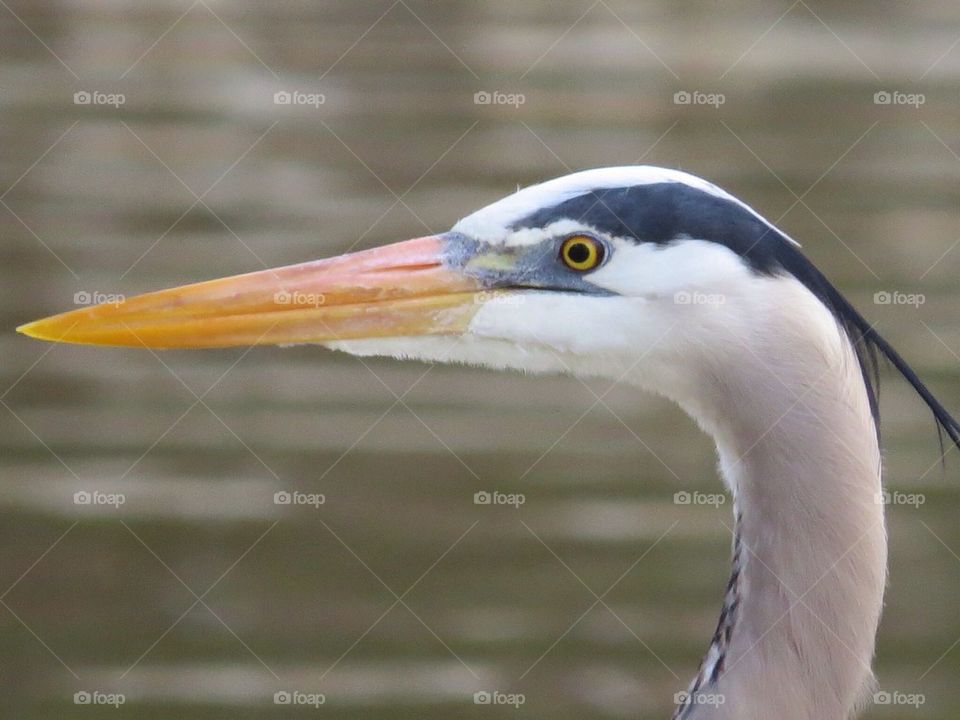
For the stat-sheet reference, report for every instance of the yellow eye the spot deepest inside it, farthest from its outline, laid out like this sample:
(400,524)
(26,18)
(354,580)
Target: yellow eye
(581,252)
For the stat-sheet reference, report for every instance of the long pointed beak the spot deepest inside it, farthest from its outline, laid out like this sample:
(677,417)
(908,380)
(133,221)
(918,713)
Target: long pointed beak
(395,290)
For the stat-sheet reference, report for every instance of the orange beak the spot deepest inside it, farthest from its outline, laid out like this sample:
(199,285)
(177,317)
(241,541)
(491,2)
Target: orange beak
(396,290)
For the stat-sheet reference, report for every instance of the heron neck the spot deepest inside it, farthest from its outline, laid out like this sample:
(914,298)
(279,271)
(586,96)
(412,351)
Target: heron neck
(800,455)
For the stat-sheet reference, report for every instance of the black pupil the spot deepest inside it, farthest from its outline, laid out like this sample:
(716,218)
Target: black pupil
(578,253)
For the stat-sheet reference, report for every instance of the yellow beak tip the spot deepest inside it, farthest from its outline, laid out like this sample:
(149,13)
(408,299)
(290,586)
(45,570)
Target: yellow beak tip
(33,329)
(47,329)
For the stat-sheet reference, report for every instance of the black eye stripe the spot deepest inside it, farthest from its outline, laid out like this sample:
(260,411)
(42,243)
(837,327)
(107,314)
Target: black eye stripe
(663,212)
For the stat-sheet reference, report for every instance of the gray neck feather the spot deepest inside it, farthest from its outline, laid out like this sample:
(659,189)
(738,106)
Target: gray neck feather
(798,450)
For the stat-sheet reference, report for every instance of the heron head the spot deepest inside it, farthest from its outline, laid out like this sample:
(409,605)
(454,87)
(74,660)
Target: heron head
(589,272)
(628,272)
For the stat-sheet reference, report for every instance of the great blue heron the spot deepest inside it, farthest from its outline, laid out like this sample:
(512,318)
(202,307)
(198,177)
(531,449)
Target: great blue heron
(660,279)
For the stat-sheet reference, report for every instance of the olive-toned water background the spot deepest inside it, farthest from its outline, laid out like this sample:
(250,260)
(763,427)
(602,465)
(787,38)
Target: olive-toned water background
(399,597)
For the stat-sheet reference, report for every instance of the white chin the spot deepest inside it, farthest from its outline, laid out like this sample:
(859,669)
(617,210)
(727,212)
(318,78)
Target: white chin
(464,349)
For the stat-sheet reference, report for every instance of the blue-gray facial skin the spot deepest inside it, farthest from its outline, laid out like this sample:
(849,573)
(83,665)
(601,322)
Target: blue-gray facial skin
(536,267)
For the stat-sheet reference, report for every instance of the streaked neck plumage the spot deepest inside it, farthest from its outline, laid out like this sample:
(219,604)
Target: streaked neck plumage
(799,452)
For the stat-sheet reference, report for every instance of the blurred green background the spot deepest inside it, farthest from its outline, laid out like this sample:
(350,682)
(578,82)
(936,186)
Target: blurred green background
(199,597)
